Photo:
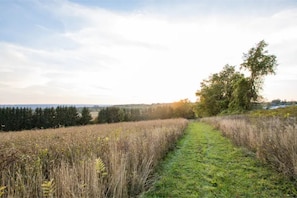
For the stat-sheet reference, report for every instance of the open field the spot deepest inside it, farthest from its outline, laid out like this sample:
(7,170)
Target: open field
(94,114)
(118,160)
(271,135)
(111,160)
(206,164)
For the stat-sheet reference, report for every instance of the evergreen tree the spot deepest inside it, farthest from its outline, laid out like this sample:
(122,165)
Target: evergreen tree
(85,116)
(38,118)
(49,115)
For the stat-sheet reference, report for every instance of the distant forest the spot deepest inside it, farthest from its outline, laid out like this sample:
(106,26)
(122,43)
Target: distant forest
(23,118)
(182,109)
(16,119)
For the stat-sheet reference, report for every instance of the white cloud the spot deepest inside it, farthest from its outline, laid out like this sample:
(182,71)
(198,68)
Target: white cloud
(139,57)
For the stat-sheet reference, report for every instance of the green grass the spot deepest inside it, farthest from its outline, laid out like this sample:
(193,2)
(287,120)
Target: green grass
(208,165)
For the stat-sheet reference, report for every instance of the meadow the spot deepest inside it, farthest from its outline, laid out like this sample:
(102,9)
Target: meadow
(206,164)
(270,134)
(108,160)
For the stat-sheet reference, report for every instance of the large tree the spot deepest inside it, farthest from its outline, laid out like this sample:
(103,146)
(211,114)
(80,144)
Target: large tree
(216,93)
(259,63)
(231,91)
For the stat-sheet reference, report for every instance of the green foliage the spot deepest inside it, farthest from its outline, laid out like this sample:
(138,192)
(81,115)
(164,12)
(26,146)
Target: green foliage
(48,188)
(85,116)
(230,91)
(2,189)
(181,109)
(16,119)
(100,167)
(286,112)
(67,116)
(240,100)
(215,94)
(109,115)
(259,63)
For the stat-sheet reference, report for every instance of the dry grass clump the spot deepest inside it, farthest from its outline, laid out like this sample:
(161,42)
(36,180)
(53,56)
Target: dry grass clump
(273,139)
(111,160)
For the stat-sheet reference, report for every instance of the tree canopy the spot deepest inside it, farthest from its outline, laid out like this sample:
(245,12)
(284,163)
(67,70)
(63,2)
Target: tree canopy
(217,91)
(229,90)
(259,63)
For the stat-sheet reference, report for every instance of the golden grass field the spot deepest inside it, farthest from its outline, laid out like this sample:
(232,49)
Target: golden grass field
(110,160)
(272,138)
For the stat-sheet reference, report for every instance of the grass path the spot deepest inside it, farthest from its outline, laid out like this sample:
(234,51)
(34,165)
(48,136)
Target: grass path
(208,165)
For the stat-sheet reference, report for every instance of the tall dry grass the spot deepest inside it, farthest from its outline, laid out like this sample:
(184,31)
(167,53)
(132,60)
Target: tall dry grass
(112,160)
(273,139)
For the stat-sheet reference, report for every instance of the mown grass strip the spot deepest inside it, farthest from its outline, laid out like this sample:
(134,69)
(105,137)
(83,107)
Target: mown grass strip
(207,165)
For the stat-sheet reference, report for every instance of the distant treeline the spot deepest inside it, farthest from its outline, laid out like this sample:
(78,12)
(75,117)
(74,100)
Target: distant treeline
(181,109)
(15,119)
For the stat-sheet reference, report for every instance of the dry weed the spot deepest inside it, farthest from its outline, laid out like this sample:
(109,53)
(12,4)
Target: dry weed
(111,160)
(273,139)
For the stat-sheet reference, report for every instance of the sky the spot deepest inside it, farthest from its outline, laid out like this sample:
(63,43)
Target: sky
(137,51)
